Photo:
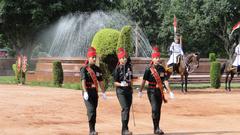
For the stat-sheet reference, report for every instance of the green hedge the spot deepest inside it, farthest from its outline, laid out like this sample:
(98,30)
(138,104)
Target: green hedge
(215,74)
(125,39)
(57,73)
(105,41)
(14,68)
(212,57)
(18,77)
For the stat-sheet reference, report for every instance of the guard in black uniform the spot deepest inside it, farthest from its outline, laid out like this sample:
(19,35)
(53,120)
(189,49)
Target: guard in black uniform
(155,96)
(91,75)
(123,82)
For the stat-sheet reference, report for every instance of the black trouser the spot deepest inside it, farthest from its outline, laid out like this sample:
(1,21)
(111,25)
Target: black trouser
(125,99)
(155,98)
(91,105)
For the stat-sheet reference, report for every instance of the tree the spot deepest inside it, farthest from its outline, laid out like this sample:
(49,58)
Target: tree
(204,24)
(23,19)
(145,13)
(217,17)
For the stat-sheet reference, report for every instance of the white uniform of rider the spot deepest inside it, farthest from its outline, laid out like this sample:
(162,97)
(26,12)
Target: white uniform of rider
(176,49)
(237,59)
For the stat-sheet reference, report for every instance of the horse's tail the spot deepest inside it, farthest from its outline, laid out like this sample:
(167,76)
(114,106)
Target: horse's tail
(223,68)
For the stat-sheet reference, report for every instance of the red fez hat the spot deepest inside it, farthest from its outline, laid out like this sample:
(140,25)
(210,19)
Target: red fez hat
(155,49)
(121,53)
(91,52)
(155,52)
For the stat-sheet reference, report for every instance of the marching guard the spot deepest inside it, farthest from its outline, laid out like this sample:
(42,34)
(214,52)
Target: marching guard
(91,78)
(123,82)
(155,75)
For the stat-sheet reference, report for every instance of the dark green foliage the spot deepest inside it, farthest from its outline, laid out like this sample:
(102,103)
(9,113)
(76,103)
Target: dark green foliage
(57,73)
(212,57)
(107,77)
(204,24)
(22,20)
(125,39)
(107,65)
(14,68)
(215,74)
(105,42)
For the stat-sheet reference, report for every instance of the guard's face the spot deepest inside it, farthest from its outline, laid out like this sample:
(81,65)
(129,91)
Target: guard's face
(92,60)
(156,60)
(123,60)
(177,40)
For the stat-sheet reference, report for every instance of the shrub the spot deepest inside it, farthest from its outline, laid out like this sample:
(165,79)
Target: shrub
(215,74)
(105,41)
(212,57)
(107,75)
(125,39)
(19,78)
(17,75)
(57,73)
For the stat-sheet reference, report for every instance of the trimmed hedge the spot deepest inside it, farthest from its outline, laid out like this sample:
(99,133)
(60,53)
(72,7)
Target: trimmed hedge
(215,74)
(18,77)
(212,57)
(105,41)
(14,68)
(57,73)
(125,39)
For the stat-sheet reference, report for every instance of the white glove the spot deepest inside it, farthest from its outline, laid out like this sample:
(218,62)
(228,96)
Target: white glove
(104,96)
(171,95)
(85,95)
(140,94)
(123,84)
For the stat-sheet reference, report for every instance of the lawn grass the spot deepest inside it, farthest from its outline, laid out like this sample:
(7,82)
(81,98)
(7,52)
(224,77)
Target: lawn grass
(7,80)
(77,86)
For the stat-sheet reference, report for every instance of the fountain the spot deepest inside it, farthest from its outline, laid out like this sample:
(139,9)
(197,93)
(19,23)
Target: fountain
(68,39)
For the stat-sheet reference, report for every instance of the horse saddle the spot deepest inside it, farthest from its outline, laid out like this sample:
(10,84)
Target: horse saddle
(236,67)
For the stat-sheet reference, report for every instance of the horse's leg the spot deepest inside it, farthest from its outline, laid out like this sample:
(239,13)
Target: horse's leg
(186,81)
(182,83)
(226,81)
(230,80)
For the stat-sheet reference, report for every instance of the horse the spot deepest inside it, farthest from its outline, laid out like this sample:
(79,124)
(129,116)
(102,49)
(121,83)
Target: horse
(231,70)
(186,65)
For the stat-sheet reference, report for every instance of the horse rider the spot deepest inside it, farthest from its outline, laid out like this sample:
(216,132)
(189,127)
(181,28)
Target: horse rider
(236,62)
(176,51)
(155,75)
(91,77)
(123,82)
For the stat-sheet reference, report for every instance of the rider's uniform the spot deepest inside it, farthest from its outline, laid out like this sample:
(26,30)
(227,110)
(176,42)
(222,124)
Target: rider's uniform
(176,50)
(237,59)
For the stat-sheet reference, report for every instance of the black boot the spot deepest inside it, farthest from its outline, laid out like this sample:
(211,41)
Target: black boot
(92,128)
(93,133)
(158,131)
(125,130)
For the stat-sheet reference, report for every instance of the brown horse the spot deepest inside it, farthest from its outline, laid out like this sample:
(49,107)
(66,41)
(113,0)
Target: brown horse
(185,66)
(229,70)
